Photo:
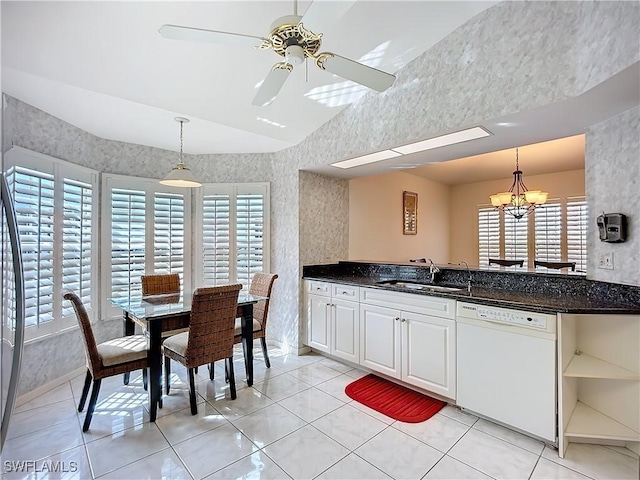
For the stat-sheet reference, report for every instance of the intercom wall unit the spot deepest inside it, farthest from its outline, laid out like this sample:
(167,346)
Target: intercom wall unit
(612,227)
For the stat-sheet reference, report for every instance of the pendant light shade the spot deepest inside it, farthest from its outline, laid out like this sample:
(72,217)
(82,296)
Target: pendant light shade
(181,176)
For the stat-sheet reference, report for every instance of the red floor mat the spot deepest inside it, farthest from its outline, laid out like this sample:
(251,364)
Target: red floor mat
(395,401)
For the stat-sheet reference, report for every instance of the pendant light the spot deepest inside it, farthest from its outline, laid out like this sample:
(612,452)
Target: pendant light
(518,201)
(180,176)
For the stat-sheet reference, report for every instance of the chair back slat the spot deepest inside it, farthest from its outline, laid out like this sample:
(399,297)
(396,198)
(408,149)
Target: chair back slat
(91,347)
(212,324)
(506,263)
(261,285)
(160,284)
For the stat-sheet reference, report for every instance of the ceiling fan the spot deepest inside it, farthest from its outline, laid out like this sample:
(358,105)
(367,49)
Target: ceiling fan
(292,37)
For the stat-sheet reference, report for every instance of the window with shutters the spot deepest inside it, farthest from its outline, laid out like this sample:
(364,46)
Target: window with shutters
(577,214)
(234,226)
(515,239)
(488,235)
(556,232)
(146,229)
(57,216)
(548,232)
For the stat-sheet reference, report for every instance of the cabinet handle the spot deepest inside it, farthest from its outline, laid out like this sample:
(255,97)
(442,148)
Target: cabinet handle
(403,320)
(397,318)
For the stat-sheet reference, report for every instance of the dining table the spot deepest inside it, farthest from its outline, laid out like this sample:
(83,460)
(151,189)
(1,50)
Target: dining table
(161,313)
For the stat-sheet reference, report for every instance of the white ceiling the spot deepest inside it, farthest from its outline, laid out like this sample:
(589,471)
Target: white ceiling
(103,67)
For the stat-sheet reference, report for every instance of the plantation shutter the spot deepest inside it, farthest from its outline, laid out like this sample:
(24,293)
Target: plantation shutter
(127,241)
(249,236)
(577,213)
(488,235)
(77,242)
(216,239)
(548,232)
(169,233)
(515,238)
(33,194)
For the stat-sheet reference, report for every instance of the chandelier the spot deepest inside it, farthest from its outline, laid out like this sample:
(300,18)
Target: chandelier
(518,201)
(180,176)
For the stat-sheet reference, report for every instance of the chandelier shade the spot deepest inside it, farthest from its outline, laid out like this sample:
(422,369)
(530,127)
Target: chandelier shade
(519,200)
(180,175)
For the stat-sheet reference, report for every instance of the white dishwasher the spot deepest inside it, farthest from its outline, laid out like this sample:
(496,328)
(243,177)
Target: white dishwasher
(507,367)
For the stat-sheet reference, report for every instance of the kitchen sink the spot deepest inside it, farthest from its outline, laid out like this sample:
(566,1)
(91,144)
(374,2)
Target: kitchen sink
(420,286)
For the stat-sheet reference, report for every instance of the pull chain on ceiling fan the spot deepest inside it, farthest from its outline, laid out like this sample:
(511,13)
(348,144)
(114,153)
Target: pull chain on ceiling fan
(293,38)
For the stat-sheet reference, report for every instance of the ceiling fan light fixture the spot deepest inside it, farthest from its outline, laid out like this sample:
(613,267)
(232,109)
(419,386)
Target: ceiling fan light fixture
(294,54)
(180,175)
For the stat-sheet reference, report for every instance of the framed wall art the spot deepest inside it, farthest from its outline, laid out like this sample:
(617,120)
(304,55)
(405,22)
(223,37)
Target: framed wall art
(409,213)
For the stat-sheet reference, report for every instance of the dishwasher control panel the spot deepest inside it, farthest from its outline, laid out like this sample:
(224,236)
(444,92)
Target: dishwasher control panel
(502,315)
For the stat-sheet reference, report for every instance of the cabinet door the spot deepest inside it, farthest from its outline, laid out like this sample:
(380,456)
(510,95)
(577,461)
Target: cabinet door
(429,353)
(318,324)
(380,339)
(345,326)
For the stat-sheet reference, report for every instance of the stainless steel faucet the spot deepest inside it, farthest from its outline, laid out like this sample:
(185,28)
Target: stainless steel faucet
(433,270)
(469,271)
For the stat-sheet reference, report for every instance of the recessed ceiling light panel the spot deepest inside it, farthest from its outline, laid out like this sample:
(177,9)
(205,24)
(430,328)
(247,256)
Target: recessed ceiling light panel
(371,158)
(443,140)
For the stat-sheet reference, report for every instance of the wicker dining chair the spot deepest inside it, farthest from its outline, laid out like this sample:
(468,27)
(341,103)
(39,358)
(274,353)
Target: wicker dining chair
(210,336)
(506,263)
(261,285)
(555,265)
(160,284)
(113,357)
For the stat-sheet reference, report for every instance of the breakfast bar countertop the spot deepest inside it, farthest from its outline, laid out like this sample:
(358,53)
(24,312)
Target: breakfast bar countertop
(543,293)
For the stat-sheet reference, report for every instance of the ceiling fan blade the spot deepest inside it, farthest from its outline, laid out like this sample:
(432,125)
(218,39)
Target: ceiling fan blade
(355,71)
(323,13)
(272,84)
(176,32)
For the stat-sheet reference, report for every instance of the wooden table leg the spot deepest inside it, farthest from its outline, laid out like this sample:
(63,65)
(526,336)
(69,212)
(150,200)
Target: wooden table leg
(128,328)
(154,328)
(247,340)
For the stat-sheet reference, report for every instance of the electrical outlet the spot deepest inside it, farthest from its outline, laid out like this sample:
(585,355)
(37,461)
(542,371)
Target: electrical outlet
(606,261)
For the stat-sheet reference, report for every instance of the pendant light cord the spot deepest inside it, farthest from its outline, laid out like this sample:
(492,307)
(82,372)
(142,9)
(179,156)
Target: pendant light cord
(181,124)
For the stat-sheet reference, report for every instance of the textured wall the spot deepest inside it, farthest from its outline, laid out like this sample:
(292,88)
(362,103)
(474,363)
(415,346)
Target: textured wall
(612,166)
(324,227)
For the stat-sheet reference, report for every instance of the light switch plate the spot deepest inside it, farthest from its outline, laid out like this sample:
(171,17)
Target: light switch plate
(606,261)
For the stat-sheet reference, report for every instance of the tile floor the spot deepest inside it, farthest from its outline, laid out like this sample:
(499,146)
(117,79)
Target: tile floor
(296,422)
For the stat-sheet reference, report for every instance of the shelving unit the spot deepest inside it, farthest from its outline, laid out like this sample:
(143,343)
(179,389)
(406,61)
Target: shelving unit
(598,380)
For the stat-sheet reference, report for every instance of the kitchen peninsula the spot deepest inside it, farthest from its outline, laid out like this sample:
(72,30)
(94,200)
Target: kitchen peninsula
(547,342)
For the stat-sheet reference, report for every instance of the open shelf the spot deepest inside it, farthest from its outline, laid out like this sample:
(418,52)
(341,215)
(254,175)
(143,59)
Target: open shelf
(586,422)
(586,366)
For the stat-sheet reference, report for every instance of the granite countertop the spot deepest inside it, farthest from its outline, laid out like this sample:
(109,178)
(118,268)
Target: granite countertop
(552,299)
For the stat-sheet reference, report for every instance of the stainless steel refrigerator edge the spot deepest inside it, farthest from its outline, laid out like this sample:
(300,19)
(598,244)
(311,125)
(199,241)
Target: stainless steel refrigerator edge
(12,315)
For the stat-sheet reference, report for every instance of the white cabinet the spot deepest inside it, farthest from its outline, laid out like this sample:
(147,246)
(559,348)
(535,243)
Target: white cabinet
(333,319)
(410,337)
(380,341)
(318,322)
(599,380)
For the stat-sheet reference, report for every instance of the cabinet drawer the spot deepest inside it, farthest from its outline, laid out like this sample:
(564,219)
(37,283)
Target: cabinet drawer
(348,292)
(319,288)
(410,302)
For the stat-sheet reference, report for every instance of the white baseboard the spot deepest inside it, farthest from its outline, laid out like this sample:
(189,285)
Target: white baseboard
(41,390)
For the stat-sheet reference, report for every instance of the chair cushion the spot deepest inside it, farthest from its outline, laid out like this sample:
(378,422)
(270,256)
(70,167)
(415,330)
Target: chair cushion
(122,350)
(257,326)
(177,343)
